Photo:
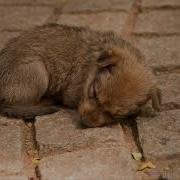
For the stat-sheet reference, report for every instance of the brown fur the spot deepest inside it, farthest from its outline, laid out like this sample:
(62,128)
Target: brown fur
(98,73)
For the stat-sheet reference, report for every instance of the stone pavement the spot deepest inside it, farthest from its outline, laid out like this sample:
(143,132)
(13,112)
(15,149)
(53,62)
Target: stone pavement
(54,147)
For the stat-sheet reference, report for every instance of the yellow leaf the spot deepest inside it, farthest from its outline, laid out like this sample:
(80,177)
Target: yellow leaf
(35,160)
(146,165)
(137,156)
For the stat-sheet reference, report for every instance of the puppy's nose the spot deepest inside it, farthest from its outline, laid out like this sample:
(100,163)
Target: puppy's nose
(134,112)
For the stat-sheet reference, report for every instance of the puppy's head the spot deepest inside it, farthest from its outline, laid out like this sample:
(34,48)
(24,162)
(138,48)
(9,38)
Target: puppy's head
(120,87)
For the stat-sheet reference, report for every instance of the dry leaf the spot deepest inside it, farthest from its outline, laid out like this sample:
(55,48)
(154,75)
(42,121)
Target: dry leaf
(146,165)
(35,160)
(137,156)
(36,157)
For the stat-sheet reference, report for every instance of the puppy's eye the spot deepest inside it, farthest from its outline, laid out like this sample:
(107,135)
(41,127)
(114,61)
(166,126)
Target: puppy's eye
(118,117)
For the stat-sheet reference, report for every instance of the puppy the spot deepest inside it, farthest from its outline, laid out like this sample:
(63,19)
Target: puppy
(97,73)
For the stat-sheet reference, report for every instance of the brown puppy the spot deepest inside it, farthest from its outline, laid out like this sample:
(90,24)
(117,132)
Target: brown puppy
(98,73)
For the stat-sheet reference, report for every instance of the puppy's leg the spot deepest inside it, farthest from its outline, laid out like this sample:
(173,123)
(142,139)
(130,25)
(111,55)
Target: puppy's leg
(22,89)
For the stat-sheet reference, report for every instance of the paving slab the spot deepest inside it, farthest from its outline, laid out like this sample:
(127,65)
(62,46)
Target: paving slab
(6,36)
(159,22)
(160,135)
(10,146)
(23,17)
(164,3)
(169,83)
(108,163)
(60,132)
(97,5)
(101,21)
(159,50)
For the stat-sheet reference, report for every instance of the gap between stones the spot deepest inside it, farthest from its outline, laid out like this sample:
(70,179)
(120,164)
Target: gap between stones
(166,69)
(87,12)
(131,135)
(37,170)
(31,149)
(131,20)
(153,34)
(161,8)
(170,106)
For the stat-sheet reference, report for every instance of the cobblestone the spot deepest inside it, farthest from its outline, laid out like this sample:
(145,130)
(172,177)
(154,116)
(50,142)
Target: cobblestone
(13,18)
(103,164)
(170,86)
(102,21)
(159,22)
(159,136)
(59,132)
(159,50)
(94,5)
(10,147)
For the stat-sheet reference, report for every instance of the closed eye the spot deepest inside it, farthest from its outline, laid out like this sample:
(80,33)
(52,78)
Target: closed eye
(118,117)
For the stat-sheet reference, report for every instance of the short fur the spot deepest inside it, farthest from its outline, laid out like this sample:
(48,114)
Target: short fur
(98,73)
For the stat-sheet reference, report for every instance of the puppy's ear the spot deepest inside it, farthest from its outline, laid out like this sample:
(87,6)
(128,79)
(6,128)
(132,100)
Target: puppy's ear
(90,86)
(93,90)
(107,58)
